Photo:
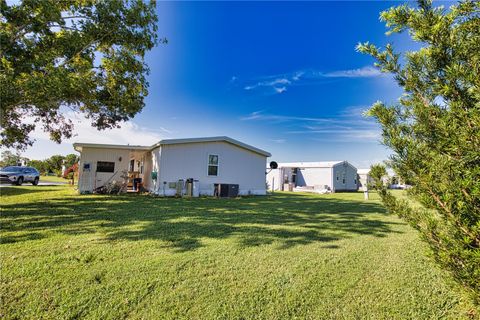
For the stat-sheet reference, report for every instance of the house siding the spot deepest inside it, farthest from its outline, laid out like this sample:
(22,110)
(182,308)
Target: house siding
(89,180)
(344,169)
(364,180)
(314,177)
(274,179)
(190,160)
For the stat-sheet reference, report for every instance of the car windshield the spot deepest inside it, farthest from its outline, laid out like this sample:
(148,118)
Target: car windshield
(12,169)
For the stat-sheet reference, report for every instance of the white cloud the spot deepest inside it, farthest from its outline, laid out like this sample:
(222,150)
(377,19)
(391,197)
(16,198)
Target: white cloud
(280,82)
(365,72)
(261,115)
(297,75)
(280,90)
(253,116)
(276,81)
(278,140)
(128,133)
(271,84)
(348,125)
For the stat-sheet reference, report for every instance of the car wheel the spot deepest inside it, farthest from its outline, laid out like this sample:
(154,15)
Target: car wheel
(35,181)
(19,181)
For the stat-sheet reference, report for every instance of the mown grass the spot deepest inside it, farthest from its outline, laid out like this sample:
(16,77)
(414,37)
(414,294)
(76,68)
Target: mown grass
(66,256)
(53,179)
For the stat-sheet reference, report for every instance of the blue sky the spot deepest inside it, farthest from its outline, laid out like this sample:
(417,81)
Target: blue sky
(282,76)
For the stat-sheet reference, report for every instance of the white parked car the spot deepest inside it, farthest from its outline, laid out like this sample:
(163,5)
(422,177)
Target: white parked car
(18,175)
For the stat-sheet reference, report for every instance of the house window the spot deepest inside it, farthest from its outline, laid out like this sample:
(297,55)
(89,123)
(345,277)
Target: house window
(213,165)
(103,166)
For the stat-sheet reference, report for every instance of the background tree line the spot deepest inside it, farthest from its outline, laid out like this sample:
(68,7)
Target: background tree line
(52,165)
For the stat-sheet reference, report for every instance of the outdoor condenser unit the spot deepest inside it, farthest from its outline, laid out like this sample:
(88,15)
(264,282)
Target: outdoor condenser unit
(228,190)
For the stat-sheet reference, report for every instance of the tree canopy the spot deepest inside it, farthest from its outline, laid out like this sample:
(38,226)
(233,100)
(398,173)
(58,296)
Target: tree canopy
(70,160)
(10,159)
(434,129)
(377,172)
(80,55)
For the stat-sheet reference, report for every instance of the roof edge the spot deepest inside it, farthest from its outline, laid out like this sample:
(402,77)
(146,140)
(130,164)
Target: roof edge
(78,145)
(313,164)
(214,139)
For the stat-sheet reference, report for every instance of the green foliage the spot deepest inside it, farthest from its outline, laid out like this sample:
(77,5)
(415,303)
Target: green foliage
(70,160)
(40,165)
(54,164)
(10,159)
(393,180)
(288,256)
(442,237)
(378,173)
(81,55)
(434,128)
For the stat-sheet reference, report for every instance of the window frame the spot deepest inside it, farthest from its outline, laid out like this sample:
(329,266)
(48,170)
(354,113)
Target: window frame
(213,165)
(113,168)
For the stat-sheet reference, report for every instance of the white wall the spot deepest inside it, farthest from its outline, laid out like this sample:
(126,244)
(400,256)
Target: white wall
(314,177)
(349,172)
(275,179)
(190,160)
(88,180)
(319,177)
(364,179)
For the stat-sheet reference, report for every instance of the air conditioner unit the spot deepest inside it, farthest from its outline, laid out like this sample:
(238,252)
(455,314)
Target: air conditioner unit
(228,190)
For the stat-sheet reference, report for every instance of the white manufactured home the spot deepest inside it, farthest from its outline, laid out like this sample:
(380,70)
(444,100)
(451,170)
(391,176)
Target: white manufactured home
(326,175)
(164,167)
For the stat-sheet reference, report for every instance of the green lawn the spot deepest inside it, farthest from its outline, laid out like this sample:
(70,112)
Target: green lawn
(301,256)
(53,179)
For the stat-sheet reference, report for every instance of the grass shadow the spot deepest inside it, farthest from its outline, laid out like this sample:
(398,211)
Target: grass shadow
(12,190)
(182,224)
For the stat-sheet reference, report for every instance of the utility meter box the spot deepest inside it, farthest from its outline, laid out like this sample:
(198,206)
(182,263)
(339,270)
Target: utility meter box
(154,175)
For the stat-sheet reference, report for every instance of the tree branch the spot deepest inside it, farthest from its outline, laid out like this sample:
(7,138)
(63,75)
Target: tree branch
(63,27)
